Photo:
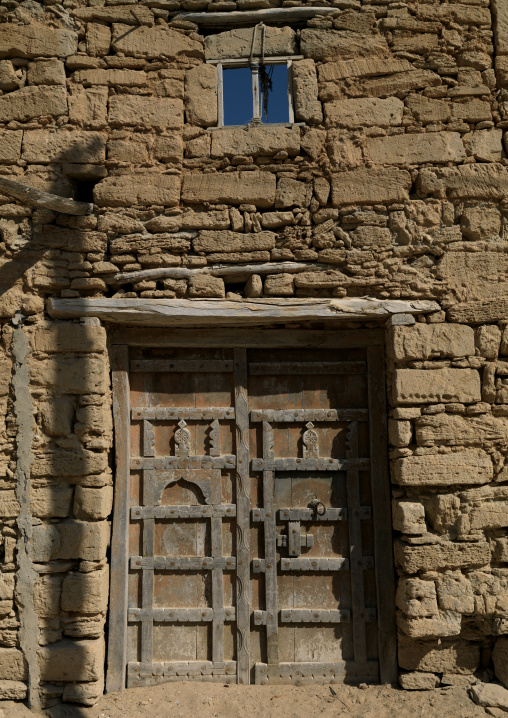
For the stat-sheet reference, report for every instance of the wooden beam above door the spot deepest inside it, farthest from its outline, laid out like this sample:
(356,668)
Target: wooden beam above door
(220,312)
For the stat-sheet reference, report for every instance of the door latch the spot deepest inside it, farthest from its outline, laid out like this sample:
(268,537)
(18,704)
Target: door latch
(317,506)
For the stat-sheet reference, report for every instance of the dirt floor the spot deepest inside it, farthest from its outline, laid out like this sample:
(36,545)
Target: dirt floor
(215,700)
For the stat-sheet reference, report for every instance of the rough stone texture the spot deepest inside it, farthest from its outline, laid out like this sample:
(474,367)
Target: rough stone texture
(12,665)
(152,42)
(431,341)
(408,517)
(235,188)
(454,656)
(159,113)
(33,102)
(201,96)
(453,430)
(480,223)
(412,559)
(420,386)
(255,140)
(93,503)
(307,107)
(85,592)
(484,145)
(500,660)
(12,690)
(363,112)
(224,241)
(238,43)
(464,467)
(488,694)
(36,40)
(141,189)
(72,661)
(328,45)
(70,540)
(418,681)
(415,149)
(46,147)
(370,187)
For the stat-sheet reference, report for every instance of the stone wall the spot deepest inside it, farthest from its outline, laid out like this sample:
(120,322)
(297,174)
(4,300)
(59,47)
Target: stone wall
(392,184)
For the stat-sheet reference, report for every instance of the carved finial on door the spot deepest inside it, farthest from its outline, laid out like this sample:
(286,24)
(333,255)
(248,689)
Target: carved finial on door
(182,439)
(310,442)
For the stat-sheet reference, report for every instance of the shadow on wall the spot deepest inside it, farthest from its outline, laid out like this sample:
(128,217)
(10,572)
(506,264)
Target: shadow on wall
(61,569)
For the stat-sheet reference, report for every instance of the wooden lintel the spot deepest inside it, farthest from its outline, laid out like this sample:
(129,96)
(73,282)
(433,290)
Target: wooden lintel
(220,312)
(248,17)
(37,198)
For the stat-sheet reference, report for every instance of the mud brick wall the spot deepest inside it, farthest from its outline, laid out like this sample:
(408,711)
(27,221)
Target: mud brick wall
(392,183)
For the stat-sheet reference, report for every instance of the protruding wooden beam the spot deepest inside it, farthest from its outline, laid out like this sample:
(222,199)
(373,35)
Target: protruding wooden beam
(278,14)
(221,312)
(37,198)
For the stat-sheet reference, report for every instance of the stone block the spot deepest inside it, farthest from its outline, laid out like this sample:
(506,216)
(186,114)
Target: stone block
(51,501)
(445,624)
(362,67)
(201,96)
(255,140)
(98,39)
(31,103)
(70,337)
(400,82)
(12,665)
(454,656)
(305,92)
(412,149)
(480,181)
(418,681)
(408,517)
(174,242)
(500,660)
(138,189)
(88,106)
(231,188)
(488,340)
(36,40)
(279,285)
(363,112)
(455,593)
(472,466)
(500,13)
(427,110)
(443,510)
(86,592)
(326,45)
(471,111)
(238,43)
(10,79)
(490,695)
(72,464)
(13,691)
(117,12)
(9,506)
(43,147)
(161,113)
(490,515)
(72,240)
(46,72)
(154,42)
(481,223)
(292,193)
(85,693)
(478,275)
(69,660)
(430,341)
(412,559)
(434,386)
(93,504)
(110,78)
(370,187)
(46,595)
(168,148)
(71,375)
(399,432)
(227,241)
(484,145)
(10,146)
(206,286)
(87,540)
(93,419)
(416,598)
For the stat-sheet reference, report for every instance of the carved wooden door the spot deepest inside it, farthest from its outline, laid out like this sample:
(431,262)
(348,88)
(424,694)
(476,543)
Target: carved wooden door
(250,516)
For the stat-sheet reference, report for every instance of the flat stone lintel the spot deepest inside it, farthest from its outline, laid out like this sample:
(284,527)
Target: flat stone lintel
(220,312)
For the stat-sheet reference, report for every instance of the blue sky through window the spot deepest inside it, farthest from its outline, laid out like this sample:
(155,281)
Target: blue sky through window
(237,95)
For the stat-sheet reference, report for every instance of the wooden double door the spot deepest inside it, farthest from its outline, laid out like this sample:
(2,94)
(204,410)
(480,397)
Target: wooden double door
(251,534)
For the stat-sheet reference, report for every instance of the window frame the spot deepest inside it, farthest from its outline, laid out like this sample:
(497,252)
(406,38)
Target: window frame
(257,113)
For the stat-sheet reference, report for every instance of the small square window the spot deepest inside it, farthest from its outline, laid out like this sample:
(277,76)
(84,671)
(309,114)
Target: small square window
(259,93)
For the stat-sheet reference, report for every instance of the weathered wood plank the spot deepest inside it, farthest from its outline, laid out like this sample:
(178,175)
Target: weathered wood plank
(302,673)
(161,463)
(183,512)
(270,537)
(117,643)
(318,615)
(302,367)
(165,413)
(165,563)
(37,198)
(183,615)
(381,506)
(309,464)
(245,338)
(331,514)
(304,415)
(192,312)
(187,366)
(243,605)
(314,564)
(147,580)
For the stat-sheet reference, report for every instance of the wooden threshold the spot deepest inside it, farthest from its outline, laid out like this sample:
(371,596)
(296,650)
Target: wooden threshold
(220,312)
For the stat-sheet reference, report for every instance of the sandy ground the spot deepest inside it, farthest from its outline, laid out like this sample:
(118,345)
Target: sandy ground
(208,700)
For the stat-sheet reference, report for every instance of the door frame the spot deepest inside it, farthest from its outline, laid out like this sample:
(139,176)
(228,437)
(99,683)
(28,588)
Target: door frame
(373,340)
